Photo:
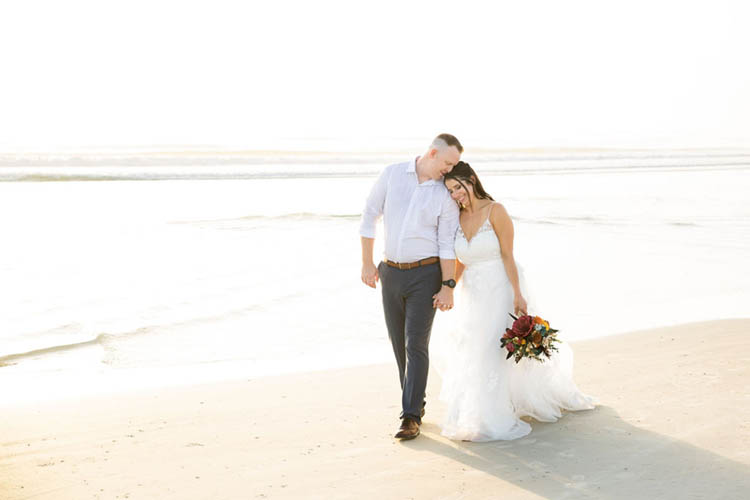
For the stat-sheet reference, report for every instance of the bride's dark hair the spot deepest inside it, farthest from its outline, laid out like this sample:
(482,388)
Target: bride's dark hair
(463,173)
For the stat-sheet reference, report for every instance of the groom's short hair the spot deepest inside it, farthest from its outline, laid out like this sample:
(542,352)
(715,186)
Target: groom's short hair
(445,140)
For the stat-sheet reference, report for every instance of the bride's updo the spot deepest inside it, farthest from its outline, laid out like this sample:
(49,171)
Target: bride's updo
(464,174)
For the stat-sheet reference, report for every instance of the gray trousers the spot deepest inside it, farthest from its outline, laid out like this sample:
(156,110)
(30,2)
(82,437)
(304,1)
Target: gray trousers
(407,303)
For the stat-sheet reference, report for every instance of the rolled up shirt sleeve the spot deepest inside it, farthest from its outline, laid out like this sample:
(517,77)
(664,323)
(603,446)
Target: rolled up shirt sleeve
(373,210)
(447,227)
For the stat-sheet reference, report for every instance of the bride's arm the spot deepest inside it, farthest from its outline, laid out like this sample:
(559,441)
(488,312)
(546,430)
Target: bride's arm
(503,227)
(459,270)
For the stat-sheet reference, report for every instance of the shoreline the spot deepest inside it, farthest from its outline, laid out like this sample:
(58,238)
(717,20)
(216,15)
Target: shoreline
(200,374)
(233,157)
(673,422)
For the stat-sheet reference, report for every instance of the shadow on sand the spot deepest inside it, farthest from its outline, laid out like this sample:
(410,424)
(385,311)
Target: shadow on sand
(595,454)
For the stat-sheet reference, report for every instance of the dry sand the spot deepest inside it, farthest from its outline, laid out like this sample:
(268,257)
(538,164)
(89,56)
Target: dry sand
(674,422)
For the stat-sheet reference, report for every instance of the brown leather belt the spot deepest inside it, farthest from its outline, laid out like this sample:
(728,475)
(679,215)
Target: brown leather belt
(412,265)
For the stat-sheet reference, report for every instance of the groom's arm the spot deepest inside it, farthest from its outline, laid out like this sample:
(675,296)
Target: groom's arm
(369,271)
(444,298)
(446,231)
(447,226)
(370,215)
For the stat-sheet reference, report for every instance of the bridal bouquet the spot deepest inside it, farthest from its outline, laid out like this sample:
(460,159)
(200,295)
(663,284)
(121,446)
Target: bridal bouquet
(529,337)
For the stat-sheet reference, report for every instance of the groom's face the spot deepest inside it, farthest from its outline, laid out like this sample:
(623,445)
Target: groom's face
(443,161)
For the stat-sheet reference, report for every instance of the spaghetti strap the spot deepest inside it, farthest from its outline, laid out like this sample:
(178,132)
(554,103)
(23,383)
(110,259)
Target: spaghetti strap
(489,212)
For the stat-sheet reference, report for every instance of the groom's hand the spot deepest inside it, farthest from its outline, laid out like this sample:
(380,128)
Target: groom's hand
(370,274)
(443,300)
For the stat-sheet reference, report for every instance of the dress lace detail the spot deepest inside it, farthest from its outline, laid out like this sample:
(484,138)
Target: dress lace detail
(486,394)
(486,226)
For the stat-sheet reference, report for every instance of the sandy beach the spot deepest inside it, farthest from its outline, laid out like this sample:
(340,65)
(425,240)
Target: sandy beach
(674,422)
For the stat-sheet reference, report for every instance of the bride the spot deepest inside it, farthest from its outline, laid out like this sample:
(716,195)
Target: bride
(486,394)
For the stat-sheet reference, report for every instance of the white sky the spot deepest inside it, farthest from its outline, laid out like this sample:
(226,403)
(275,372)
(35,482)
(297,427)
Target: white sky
(258,74)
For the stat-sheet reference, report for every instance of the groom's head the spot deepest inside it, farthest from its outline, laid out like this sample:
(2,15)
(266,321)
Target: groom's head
(444,152)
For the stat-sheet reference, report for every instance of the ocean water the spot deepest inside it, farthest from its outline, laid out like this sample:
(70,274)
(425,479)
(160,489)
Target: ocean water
(117,277)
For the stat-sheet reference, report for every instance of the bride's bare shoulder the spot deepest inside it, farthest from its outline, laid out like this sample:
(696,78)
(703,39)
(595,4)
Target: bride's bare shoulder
(499,216)
(497,209)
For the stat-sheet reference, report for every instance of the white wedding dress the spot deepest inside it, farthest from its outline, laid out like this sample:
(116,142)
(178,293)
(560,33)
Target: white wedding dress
(486,394)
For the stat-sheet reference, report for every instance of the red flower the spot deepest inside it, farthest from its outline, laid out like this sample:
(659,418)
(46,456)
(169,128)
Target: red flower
(510,347)
(508,334)
(523,326)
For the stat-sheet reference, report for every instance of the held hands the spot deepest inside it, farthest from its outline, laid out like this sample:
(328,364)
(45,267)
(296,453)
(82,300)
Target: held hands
(443,300)
(370,274)
(519,305)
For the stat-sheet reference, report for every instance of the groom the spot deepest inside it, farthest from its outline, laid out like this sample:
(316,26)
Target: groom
(417,273)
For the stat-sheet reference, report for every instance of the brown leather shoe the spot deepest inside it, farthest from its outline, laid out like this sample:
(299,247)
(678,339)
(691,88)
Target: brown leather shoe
(409,429)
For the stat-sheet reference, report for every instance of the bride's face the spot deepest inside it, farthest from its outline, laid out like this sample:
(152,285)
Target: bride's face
(460,193)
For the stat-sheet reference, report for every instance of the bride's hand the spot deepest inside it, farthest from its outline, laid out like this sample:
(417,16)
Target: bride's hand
(519,305)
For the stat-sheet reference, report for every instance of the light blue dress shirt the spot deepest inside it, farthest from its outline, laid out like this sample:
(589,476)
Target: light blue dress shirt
(420,219)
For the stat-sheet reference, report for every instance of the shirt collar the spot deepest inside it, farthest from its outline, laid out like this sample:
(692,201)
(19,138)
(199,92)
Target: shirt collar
(411,168)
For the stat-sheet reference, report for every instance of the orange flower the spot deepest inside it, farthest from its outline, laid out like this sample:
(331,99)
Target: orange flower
(540,321)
